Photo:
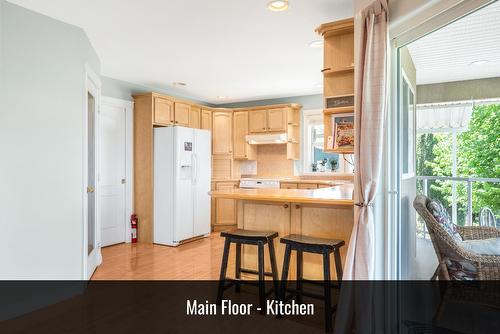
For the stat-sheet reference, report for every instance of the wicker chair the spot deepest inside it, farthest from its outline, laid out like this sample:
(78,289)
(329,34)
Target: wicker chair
(454,261)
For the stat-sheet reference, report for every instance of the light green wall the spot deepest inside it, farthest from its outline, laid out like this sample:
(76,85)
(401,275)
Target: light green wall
(42,95)
(459,91)
(124,90)
(307,102)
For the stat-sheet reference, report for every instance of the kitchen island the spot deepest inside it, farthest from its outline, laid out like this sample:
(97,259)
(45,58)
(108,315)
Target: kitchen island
(324,212)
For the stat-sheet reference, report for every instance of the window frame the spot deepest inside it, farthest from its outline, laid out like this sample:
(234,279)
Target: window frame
(310,118)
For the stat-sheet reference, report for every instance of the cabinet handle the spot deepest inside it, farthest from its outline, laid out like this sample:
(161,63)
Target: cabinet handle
(285,206)
(297,206)
(263,128)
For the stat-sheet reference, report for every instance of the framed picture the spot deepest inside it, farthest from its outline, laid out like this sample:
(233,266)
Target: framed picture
(343,132)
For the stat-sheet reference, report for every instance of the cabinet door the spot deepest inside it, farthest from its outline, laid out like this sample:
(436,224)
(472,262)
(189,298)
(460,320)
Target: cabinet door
(163,111)
(308,186)
(288,185)
(276,119)
(195,118)
(222,132)
(182,111)
(257,121)
(240,130)
(225,209)
(206,119)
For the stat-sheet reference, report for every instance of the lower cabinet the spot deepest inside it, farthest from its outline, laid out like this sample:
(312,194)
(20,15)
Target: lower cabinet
(287,185)
(224,213)
(308,186)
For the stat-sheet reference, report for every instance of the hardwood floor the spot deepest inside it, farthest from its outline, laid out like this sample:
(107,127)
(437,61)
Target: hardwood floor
(195,260)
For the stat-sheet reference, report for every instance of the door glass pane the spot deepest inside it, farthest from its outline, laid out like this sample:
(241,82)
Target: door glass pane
(91,174)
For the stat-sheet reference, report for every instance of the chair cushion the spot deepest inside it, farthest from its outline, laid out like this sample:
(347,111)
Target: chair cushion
(484,246)
(439,213)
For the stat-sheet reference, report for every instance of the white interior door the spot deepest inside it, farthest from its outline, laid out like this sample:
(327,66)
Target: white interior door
(92,235)
(112,174)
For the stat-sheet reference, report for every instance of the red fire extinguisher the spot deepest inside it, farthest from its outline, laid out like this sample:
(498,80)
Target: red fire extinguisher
(133,225)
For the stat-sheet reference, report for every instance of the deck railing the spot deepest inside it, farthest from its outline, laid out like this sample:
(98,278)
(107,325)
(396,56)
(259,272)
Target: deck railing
(469,181)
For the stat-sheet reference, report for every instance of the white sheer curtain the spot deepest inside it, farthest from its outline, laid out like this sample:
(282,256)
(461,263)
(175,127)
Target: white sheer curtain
(356,307)
(370,115)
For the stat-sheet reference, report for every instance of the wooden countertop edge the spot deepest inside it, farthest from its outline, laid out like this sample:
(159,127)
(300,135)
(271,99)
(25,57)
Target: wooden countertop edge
(283,199)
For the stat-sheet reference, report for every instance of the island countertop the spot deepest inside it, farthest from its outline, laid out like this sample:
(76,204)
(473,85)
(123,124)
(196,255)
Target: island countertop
(336,195)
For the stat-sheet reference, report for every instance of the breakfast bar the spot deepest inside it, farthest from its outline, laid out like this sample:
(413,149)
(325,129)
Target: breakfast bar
(324,213)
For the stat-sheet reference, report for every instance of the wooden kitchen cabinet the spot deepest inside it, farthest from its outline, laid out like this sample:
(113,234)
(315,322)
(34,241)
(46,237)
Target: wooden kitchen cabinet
(272,120)
(163,111)
(182,111)
(195,118)
(225,216)
(222,134)
(308,186)
(241,149)
(257,120)
(276,120)
(287,185)
(206,119)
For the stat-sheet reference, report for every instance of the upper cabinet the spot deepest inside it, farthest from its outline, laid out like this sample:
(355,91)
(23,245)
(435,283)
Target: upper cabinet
(195,118)
(272,120)
(222,134)
(206,119)
(241,149)
(276,119)
(338,85)
(257,121)
(182,113)
(163,111)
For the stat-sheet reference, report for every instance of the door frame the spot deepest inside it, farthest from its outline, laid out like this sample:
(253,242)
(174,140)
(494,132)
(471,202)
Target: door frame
(93,86)
(416,26)
(129,157)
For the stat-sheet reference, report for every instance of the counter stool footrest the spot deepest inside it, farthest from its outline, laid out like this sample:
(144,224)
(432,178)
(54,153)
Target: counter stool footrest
(255,272)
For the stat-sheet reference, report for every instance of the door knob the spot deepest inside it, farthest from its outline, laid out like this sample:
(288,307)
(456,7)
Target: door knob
(90,189)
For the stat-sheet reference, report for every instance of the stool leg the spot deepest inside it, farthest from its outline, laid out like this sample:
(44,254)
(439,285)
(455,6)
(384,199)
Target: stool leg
(299,276)
(223,269)
(274,268)
(338,265)
(237,270)
(328,291)
(262,283)
(284,272)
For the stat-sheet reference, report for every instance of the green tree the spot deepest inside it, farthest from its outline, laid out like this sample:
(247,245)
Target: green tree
(479,156)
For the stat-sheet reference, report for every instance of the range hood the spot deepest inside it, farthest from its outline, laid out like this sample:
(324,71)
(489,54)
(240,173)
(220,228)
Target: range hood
(280,138)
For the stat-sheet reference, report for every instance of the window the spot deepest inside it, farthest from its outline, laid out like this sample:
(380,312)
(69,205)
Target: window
(313,132)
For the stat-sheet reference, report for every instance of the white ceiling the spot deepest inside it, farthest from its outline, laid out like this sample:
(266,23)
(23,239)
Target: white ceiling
(446,54)
(233,48)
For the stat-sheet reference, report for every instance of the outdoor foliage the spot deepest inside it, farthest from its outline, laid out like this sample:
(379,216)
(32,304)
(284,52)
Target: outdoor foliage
(478,156)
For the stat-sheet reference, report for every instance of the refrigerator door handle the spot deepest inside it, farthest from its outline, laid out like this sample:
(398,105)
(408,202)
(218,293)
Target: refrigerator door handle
(195,169)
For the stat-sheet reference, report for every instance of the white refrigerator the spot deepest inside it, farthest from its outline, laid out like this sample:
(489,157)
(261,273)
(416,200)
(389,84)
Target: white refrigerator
(182,173)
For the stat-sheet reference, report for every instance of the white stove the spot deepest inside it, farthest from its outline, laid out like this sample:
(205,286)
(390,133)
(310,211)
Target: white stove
(259,183)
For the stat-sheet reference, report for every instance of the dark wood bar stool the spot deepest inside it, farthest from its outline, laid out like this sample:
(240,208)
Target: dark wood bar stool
(245,237)
(322,246)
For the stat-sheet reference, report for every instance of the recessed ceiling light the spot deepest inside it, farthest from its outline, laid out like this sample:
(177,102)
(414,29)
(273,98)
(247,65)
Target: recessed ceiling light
(319,85)
(480,62)
(221,97)
(278,5)
(179,83)
(316,44)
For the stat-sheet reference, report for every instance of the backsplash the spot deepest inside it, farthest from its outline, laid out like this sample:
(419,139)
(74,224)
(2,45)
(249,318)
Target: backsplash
(272,163)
